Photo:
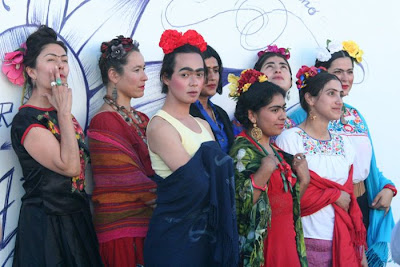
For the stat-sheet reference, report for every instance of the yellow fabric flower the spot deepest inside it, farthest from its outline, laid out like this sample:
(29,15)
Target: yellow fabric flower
(246,87)
(351,47)
(359,56)
(262,78)
(233,86)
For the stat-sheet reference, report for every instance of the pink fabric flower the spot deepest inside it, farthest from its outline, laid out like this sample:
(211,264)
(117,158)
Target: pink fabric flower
(13,66)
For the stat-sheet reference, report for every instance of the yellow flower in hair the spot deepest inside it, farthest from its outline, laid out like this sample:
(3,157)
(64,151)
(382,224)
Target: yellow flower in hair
(233,80)
(262,78)
(351,47)
(359,56)
(246,87)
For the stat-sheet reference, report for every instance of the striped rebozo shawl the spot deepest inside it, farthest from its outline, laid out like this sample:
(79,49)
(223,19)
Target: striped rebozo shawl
(121,169)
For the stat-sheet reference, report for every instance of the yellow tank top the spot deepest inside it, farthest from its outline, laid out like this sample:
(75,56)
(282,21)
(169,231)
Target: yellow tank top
(191,142)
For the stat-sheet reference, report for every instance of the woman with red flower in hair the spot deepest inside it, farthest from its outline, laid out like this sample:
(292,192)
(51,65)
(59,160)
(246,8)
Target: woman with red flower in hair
(334,232)
(267,191)
(193,222)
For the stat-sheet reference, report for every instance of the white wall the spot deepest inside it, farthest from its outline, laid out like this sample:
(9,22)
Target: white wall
(236,29)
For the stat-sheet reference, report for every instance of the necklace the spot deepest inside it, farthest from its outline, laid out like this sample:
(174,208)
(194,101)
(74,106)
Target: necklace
(131,117)
(284,168)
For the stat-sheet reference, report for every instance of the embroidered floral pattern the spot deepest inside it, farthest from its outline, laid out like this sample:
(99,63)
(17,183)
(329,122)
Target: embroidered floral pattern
(289,123)
(354,126)
(78,182)
(332,147)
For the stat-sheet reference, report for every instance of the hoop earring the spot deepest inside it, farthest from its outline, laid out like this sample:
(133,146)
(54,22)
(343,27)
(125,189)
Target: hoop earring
(115,94)
(256,132)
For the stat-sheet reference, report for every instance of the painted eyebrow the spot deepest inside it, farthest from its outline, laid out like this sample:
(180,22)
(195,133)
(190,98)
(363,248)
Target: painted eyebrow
(277,106)
(51,54)
(190,69)
(343,69)
(280,63)
(333,89)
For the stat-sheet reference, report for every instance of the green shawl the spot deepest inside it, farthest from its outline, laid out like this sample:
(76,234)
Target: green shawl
(253,220)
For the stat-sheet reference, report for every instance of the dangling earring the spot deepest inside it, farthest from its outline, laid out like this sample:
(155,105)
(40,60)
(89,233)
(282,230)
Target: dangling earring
(312,116)
(256,132)
(115,94)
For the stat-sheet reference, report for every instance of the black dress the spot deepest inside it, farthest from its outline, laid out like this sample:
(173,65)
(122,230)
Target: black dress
(55,226)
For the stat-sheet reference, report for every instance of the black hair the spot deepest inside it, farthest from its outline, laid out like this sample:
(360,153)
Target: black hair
(261,60)
(210,52)
(114,54)
(334,56)
(169,61)
(35,43)
(313,86)
(256,97)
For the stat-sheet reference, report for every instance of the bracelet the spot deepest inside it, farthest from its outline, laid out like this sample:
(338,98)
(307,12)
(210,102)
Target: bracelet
(256,186)
(391,187)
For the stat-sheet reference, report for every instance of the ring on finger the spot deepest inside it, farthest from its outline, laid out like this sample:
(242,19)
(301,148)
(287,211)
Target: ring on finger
(65,84)
(298,157)
(53,83)
(59,81)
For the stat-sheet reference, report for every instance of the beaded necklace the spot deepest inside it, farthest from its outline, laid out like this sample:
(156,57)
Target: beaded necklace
(131,117)
(283,166)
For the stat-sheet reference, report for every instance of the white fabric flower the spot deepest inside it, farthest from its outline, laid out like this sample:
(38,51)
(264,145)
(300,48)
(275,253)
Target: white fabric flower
(334,46)
(239,165)
(323,54)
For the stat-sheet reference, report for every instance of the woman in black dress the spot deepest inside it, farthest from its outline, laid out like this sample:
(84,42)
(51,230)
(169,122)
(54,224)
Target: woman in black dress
(55,225)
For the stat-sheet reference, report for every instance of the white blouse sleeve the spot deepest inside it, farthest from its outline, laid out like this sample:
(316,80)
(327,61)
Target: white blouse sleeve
(290,141)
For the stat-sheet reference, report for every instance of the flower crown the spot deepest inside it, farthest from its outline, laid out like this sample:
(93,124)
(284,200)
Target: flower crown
(274,49)
(172,39)
(305,73)
(118,47)
(324,54)
(239,85)
(13,65)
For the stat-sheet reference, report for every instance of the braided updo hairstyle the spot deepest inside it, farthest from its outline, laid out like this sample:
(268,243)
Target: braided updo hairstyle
(255,98)
(313,86)
(114,54)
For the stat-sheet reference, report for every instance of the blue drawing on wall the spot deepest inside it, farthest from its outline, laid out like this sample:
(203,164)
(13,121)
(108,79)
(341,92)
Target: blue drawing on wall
(6,108)
(6,238)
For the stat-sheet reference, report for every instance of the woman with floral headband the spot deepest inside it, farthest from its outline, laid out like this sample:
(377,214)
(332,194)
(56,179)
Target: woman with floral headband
(123,194)
(267,193)
(55,226)
(192,224)
(273,62)
(205,109)
(374,192)
(332,221)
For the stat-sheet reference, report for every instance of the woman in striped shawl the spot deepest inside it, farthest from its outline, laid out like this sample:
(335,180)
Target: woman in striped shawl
(123,195)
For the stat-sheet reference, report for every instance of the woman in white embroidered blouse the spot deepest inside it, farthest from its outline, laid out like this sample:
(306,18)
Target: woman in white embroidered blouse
(330,157)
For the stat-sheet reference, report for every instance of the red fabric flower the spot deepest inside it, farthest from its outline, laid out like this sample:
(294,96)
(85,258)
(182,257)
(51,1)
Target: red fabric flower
(13,66)
(274,49)
(305,73)
(194,38)
(172,39)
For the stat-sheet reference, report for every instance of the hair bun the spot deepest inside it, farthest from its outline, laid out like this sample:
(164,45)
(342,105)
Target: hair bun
(43,33)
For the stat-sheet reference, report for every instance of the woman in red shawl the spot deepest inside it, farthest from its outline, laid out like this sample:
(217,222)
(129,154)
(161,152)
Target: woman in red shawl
(332,221)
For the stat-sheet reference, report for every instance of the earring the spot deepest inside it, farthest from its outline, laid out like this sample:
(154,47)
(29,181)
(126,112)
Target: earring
(256,132)
(288,95)
(114,94)
(312,116)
